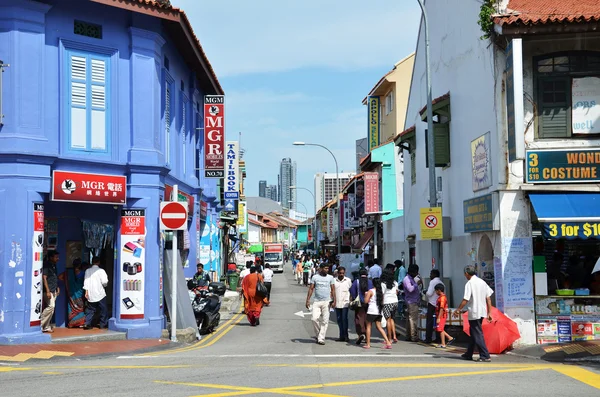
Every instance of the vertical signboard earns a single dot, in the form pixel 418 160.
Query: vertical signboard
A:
pixel 37 263
pixel 371 192
pixel 330 223
pixel 214 136
pixel 232 171
pixel 373 105
pixel 242 221
pixel 514 100
pixel 133 266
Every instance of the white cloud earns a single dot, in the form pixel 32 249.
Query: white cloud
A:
pixel 260 36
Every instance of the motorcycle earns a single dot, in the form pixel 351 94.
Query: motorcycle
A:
pixel 206 303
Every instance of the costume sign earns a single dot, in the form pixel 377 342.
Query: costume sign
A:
pixel 133 264
pixel 371 192
pixel 37 263
pixel 89 188
pixel 214 136
pixel 562 165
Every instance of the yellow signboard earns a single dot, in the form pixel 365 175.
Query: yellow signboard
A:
pixel 431 223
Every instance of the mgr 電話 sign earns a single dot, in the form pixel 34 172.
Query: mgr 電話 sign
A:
pixel 562 165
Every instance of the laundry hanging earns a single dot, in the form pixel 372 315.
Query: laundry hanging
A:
pixel 97 235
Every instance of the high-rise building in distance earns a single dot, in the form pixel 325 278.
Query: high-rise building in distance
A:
pixel 271 192
pixel 287 178
pixel 326 186
pixel 262 187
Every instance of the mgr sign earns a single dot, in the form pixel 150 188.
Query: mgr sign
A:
pixel 431 223
pixel 214 136
pixel 173 215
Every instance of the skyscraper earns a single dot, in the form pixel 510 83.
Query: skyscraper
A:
pixel 287 178
pixel 326 186
pixel 271 192
pixel 262 187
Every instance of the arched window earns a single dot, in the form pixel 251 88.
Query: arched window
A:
pixel 567 87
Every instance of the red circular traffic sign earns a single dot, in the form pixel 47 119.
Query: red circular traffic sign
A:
pixel 431 221
pixel 173 215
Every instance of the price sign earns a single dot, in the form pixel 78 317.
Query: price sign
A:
pixel 572 230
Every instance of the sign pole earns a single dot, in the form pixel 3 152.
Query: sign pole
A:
pixel 175 195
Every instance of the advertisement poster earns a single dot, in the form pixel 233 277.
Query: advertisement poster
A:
pixel 353 220
pixel 214 136
pixel 585 115
pixel 498 281
pixel 481 162
pixel 133 264
pixel 37 263
pixel 232 170
pixel 89 188
pixel 371 192
pixel 517 259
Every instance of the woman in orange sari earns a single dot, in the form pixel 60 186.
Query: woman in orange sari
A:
pixel 252 302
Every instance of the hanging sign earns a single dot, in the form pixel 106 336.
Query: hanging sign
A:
pixel 373 105
pixel 480 214
pixel 371 192
pixel 37 263
pixel 481 162
pixel 133 264
pixel 89 188
pixel 214 136
pixel 562 166
pixel 232 171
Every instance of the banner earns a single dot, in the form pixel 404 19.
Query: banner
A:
pixel 242 221
pixel 133 264
pixel 371 191
pixel 572 230
pixel 330 223
pixel 232 168
pixel 373 105
pixel 37 262
pixel 577 165
pixel 324 221
pixel 353 220
pixel 214 136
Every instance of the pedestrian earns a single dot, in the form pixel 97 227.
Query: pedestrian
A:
pixel 374 313
pixel 389 287
pixel 441 314
pixel 323 286
pixel 51 289
pixel 268 277
pixel 400 271
pixel 306 269
pixel 375 270
pixel 477 296
pixel 94 285
pixel 342 299
pixel 299 270
pixel 246 271
pixel 432 299
pixel 253 303
pixel 412 296
pixel 201 278
pixel 360 286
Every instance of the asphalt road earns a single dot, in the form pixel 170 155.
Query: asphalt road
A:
pixel 281 357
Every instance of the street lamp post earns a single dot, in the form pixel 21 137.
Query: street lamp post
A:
pixel 435 244
pixel 305 208
pixel 298 202
pixel 337 179
pixel 311 193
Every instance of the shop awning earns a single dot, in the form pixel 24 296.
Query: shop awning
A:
pixel 566 207
pixel 364 240
pixel 255 248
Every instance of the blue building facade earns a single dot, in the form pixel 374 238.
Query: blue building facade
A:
pixel 102 91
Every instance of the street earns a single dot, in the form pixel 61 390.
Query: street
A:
pixel 281 357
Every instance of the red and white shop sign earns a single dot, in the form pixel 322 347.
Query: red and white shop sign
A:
pixel 38 217
pixel 133 222
pixel 371 191
pixel 89 188
pixel 37 261
pixel 214 136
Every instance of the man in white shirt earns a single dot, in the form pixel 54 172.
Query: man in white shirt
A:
pixel 342 302
pixel 268 279
pixel 432 299
pixel 477 296
pixel 94 283
pixel 375 270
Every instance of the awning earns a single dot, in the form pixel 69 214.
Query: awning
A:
pixel 364 240
pixel 566 207
pixel 255 248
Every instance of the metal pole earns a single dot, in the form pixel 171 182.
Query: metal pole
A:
pixel 375 237
pixel 435 244
pixel 175 195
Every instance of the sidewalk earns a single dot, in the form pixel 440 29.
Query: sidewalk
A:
pixel 588 351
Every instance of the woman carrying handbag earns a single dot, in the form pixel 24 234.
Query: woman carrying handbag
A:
pixel 359 288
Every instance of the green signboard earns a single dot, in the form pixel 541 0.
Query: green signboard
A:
pixel 478 214
pixel 562 166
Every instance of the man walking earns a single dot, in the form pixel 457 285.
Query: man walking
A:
pixel 323 286
pixel 51 290
pixel 268 279
pixel 306 268
pixel 477 296
pixel 375 270
pixel 412 296
pixel 432 298
pixel 342 299
pixel 94 283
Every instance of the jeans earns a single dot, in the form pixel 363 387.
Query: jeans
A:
pixel 92 309
pixel 477 340
pixel 412 321
pixel 305 278
pixel 320 319
pixel 268 286
pixel 430 322
pixel 342 320
pixel 48 312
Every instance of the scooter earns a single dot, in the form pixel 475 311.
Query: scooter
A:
pixel 206 303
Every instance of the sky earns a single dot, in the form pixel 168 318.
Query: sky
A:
pixel 298 71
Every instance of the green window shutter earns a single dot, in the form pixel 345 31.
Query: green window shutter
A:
pixel 442 145
pixel 554 107
pixel 413 168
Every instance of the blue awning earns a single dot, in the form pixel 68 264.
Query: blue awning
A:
pixel 566 207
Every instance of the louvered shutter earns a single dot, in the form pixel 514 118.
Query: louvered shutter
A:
pixel 78 101
pixel 98 104
pixel 554 115
pixel 441 134
pixel 167 123
pixel 183 136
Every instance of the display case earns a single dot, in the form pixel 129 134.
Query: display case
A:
pixel 567 318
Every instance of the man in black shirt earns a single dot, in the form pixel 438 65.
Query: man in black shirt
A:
pixel 51 290
pixel 201 277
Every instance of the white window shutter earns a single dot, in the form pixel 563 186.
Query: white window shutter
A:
pixel 98 104
pixel 78 96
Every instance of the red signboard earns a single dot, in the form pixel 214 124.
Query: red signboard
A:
pixel 38 217
pixel 273 248
pixel 182 197
pixel 203 209
pixel 173 215
pixel 89 188
pixel 214 136
pixel 371 191
pixel 133 222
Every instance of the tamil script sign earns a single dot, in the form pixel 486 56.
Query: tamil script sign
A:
pixel 562 166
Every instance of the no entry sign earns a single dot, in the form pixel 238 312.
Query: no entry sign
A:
pixel 173 216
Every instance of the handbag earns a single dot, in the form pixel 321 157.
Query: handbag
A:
pixel 355 304
pixel 261 289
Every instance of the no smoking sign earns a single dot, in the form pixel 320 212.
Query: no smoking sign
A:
pixel 431 223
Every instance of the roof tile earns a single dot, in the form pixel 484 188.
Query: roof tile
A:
pixel 539 12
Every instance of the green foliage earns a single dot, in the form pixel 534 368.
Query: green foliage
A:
pixel 485 18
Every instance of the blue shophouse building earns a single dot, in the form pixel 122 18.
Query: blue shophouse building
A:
pixel 101 109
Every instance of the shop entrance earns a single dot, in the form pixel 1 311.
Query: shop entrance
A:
pixel 79 232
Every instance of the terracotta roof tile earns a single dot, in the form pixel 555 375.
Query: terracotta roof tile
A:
pixel 534 12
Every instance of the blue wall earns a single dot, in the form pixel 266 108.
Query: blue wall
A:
pixel 36 40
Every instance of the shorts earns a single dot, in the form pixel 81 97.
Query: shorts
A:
pixel 371 318
pixel 442 324
pixel 389 310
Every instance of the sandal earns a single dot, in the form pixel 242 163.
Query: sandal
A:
pixel 395 340
pixel 388 347
pixel 441 346
pixel 366 347
pixel 451 341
